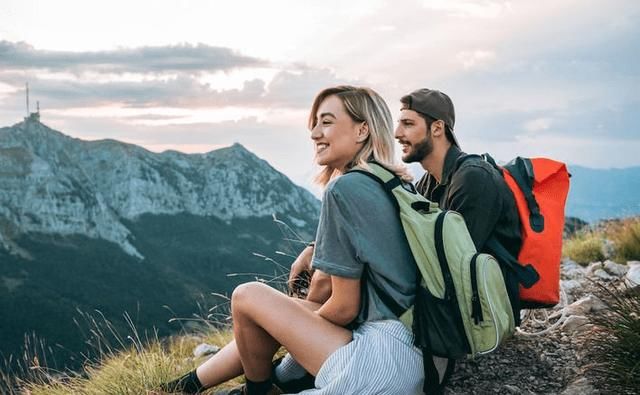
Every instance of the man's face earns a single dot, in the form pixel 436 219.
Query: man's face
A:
pixel 412 134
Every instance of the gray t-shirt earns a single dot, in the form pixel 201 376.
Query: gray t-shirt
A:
pixel 360 225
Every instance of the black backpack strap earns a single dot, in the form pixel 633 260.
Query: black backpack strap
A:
pixel 449 288
pixel 526 273
pixel 521 170
pixel 432 383
pixel 388 301
pixel 463 158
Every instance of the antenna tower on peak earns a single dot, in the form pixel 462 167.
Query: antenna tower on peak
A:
pixel 32 116
pixel 27 85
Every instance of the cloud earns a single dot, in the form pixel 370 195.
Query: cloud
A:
pixel 476 58
pixel 537 124
pixel 159 59
pixel 289 88
pixel 469 9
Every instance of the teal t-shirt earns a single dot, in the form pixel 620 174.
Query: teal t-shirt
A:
pixel 360 225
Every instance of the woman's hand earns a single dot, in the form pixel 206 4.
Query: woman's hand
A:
pixel 300 265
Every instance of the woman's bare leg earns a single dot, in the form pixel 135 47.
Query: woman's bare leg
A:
pixel 264 319
pixel 224 365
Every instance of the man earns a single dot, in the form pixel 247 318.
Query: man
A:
pixel 468 185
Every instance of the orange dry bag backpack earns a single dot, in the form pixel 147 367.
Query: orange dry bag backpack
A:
pixel 540 187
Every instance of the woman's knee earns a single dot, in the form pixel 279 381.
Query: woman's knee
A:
pixel 247 295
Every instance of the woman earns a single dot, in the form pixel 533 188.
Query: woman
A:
pixel 359 240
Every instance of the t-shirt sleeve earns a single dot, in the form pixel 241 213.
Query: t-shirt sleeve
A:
pixel 336 249
pixel 474 195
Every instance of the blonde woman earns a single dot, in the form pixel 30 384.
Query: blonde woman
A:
pixel 350 341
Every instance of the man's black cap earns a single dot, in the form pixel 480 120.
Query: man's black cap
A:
pixel 436 105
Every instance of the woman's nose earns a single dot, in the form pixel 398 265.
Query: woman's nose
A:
pixel 316 132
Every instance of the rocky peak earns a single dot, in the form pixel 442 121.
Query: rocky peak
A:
pixel 52 183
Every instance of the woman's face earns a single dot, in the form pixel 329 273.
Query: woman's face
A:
pixel 336 135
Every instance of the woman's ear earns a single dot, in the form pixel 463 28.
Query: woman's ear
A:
pixel 363 132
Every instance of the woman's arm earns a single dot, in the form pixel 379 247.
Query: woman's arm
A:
pixel 319 287
pixel 343 305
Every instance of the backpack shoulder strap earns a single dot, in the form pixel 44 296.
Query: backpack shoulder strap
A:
pixel 392 181
pixel 521 170
pixel 463 158
pixel 526 274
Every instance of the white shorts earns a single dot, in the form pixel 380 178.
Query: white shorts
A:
pixel 381 359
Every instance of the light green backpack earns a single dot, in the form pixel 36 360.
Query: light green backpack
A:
pixel 461 307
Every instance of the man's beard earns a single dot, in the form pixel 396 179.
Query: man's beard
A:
pixel 419 151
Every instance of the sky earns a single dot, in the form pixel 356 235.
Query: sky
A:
pixel 556 78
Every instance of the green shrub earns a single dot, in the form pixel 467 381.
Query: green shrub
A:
pixel 584 247
pixel 616 345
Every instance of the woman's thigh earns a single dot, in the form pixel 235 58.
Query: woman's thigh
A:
pixel 310 338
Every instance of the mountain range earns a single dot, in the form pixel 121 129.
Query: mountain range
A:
pixel 107 228
pixel 597 194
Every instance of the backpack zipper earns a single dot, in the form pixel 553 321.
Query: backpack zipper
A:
pixel 476 307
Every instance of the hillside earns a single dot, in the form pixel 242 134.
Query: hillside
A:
pixel 104 228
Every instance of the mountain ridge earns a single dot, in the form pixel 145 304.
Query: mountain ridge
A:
pixel 58 184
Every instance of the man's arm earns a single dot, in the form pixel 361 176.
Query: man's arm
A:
pixel 474 194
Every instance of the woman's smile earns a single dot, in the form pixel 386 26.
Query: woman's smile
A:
pixel 320 147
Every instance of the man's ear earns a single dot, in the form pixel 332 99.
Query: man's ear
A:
pixel 363 132
pixel 437 128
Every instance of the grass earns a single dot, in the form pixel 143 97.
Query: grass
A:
pixel 584 247
pixel 137 370
pixel 626 238
pixel 588 245
pixel 616 346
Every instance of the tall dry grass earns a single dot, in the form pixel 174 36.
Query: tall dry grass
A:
pixel 138 363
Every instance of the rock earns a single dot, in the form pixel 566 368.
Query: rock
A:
pixel 205 349
pixel 593 266
pixel 608 248
pixel 571 270
pixel 580 386
pixel 570 285
pixel 633 275
pixel 575 323
pixel 601 274
pixel 582 307
pixel 596 303
pixel 512 389
pixel 615 269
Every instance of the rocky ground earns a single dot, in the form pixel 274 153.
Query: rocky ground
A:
pixel 560 360
pixel 552 352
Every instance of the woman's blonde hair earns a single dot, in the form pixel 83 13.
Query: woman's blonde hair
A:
pixel 362 105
